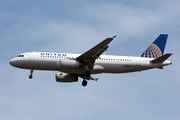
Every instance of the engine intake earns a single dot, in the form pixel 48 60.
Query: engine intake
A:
pixel 65 77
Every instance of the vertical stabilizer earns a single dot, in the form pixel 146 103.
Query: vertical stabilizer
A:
pixel 156 49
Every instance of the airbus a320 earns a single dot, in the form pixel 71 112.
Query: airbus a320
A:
pixel 73 66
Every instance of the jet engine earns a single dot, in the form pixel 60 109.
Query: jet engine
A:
pixel 69 63
pixel 65 77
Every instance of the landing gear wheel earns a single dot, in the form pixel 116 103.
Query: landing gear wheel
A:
pixel 30 76
pixel 31 72
pixel 88 74
pixel 84 83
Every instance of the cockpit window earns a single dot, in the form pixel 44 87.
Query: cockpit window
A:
pixel 21 56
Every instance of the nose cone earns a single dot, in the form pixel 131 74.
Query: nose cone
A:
pixel 12 62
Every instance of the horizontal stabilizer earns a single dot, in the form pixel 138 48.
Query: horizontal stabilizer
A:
pixel 161 58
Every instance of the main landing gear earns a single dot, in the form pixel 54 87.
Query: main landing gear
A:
pixel 30 76
pixel 84 82
pixel 87 76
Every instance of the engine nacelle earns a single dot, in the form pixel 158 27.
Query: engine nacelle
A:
pixel 69 63
pixel 65 77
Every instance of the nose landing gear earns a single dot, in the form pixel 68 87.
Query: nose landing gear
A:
pixel 30 76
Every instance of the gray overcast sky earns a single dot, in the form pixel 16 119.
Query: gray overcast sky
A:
pixel 74 27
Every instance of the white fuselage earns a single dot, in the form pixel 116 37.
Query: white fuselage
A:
pixel 104 64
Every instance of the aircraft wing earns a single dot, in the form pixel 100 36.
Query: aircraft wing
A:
pixel 91 55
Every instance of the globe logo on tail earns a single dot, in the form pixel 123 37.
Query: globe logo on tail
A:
pixel 152 51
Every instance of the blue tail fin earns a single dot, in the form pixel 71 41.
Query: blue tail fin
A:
pixel 156 49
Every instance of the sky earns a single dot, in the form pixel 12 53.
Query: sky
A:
pixel 73 26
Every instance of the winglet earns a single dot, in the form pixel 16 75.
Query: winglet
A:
pixel 114 36
pixel 161 58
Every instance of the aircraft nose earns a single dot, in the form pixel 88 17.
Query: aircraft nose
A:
pixel 12 62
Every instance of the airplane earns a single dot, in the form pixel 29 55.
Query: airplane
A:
pixel 73 66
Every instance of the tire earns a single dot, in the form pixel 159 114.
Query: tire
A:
pixel 30 76
pixel 84 83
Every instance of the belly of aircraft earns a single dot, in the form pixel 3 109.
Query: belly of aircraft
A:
pixel 120 68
